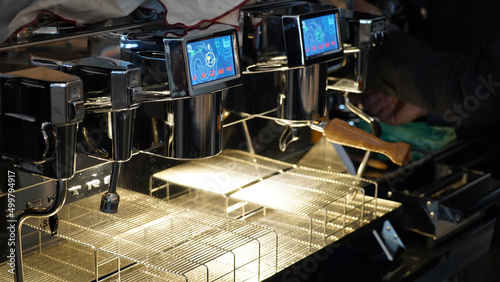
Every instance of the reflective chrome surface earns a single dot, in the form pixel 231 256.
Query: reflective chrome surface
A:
pixel 280 81
pixel 304 97
pixel 153 67
pixel 360 33
pixel 291 94
pixel 194 127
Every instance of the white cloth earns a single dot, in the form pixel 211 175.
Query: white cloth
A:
pixel 16 15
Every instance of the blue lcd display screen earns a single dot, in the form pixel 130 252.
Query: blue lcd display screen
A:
pixel 211 59
pixel 320 35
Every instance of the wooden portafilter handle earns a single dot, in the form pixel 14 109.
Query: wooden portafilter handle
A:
pixel 340 132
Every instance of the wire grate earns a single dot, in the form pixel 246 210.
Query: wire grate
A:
pixel 281 213
pixel 171 243
pixel 223 174
pixel 307 207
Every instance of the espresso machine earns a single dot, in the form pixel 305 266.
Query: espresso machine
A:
pixel 163 115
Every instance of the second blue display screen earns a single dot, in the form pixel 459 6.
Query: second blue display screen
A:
pixel 320 35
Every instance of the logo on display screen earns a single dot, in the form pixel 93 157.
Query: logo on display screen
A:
pixel 211 59
pixel 320 35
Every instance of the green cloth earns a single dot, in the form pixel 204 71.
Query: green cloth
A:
pixel 423 139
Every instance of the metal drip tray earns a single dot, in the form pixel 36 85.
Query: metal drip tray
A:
pixel 148 239
pixel 308 208
pixel 241 218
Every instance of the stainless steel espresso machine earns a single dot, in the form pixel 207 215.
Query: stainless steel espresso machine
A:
pixel 201 133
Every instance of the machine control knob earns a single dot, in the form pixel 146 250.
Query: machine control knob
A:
pixel 76 111
pixel 93 184
pixel 75 190
pixel 134 95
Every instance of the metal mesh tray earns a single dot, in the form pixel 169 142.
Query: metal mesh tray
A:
pixel 308 208
pixel 281 213
pixel 149 239
pixel 223 174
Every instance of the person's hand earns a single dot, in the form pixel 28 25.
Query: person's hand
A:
pixel 387 109
pixel 366 7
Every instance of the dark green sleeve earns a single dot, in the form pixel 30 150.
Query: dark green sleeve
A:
pixel 462 89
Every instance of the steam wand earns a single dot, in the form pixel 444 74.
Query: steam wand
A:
pixel 121 132
pixel 111 199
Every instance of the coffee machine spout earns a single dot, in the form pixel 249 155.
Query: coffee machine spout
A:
pixel 289 135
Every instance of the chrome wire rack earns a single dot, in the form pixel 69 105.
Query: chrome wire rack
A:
pixel 307 207
pixel 242 217
pixel 148 240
